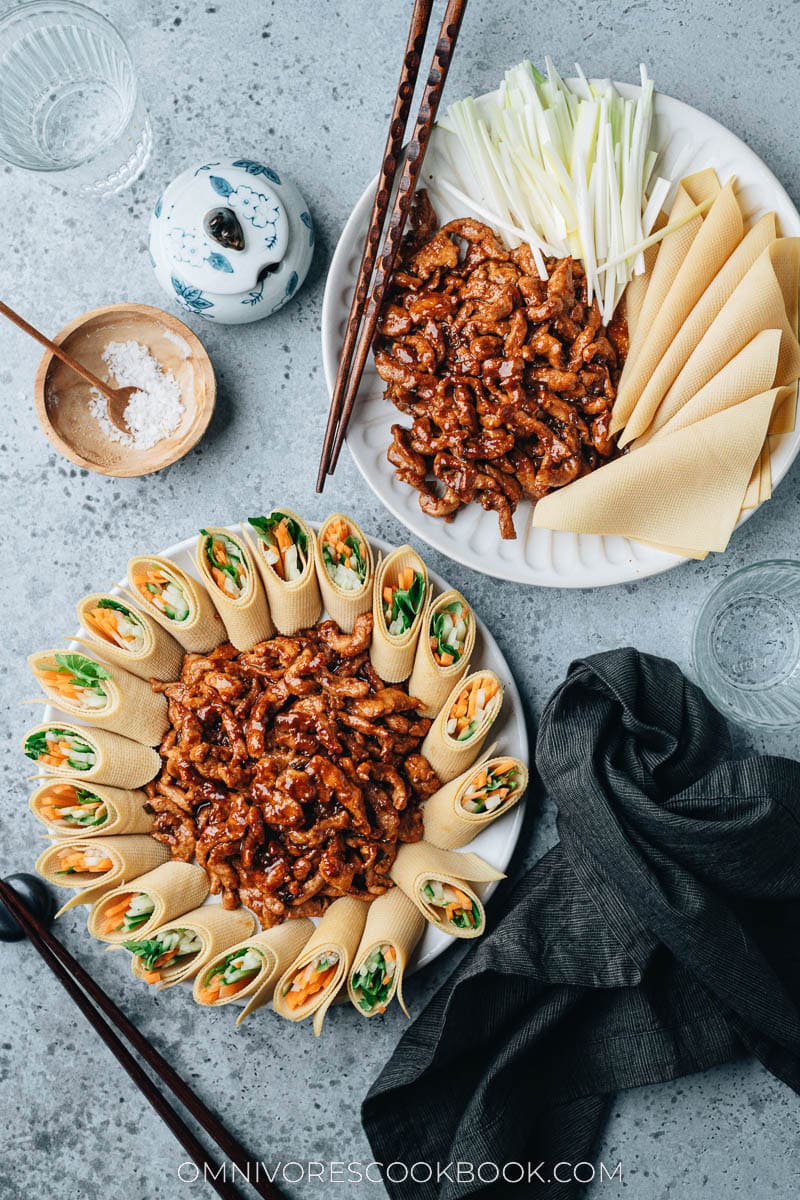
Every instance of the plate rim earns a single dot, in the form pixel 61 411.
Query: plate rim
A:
pixel 513 819
pixel 614 573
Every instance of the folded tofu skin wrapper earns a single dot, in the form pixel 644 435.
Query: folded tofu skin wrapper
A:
pixel 154 653
pixel 130 706
pixel 392 921
pixel 246 616
pixel 130 855
pixel 671 253
pixel 338 932
pixel 718 235
pixel 215 927
pixel 418 863
pixel 709 383
pixel 174 888
pixel 197 625
pixel 276 948
pixel 698 509
pixel 700 319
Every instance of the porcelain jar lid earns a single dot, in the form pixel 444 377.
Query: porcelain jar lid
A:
pixel 231 233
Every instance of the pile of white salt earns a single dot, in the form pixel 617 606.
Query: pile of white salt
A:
pixel 154 411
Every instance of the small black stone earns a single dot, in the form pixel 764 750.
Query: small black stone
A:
pixel 36 896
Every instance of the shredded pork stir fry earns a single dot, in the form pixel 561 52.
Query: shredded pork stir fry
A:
pixel 291 772
pixel 510 380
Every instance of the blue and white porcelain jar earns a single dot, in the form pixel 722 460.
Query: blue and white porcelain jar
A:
pixel 231 240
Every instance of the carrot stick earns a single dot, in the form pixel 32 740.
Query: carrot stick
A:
pixel 230 989
pixel 117 908
pixel 283 537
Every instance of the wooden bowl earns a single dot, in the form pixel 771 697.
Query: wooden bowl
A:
pixel 62 397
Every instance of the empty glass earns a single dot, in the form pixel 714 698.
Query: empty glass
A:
pixel 69 99
pixel 746 645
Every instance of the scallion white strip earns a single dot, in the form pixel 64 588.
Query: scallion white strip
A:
pixel 567 169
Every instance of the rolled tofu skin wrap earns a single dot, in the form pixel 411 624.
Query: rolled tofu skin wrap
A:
pixel 127 913
pixel 307 983
pixel 394 926
pixel 402 600
pixel 494 788
pixel 109 697
pixel 92 754
pixel 83 864
pixel 121 634
pixel 182 946
pixel 232 974
pixel 251 969
pixel 79 683
pixel 72 808
pixel 459 731
pixel 399 602
pixel 345 570
pixel 177 602
pixel 94 867
pixel 163 589
pixel 458 812
pixel 226 565
pixel 438 882
pixel 310 983
pixel 443 651
pixel 118 624
pixel 448 629
pixel 153 899
pixel 284 548
pixel 284 545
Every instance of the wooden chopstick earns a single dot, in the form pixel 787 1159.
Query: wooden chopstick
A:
pixel 343 398
pixel 80 985
pixel 415 42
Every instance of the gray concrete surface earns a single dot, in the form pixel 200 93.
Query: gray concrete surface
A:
pixel 307 86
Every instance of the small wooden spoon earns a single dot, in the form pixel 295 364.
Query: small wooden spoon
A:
pixel 117 398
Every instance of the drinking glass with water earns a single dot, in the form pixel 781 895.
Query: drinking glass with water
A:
pixel 69 98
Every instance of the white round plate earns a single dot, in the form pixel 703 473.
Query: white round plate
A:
pixel 687 139
pixel 496 843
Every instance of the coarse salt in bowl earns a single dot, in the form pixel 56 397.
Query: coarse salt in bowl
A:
pixel 129 345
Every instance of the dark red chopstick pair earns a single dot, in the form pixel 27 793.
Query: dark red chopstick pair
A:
pixel 365 310
pixel 83 989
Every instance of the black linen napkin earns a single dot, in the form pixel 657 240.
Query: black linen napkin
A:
pixel 658 938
